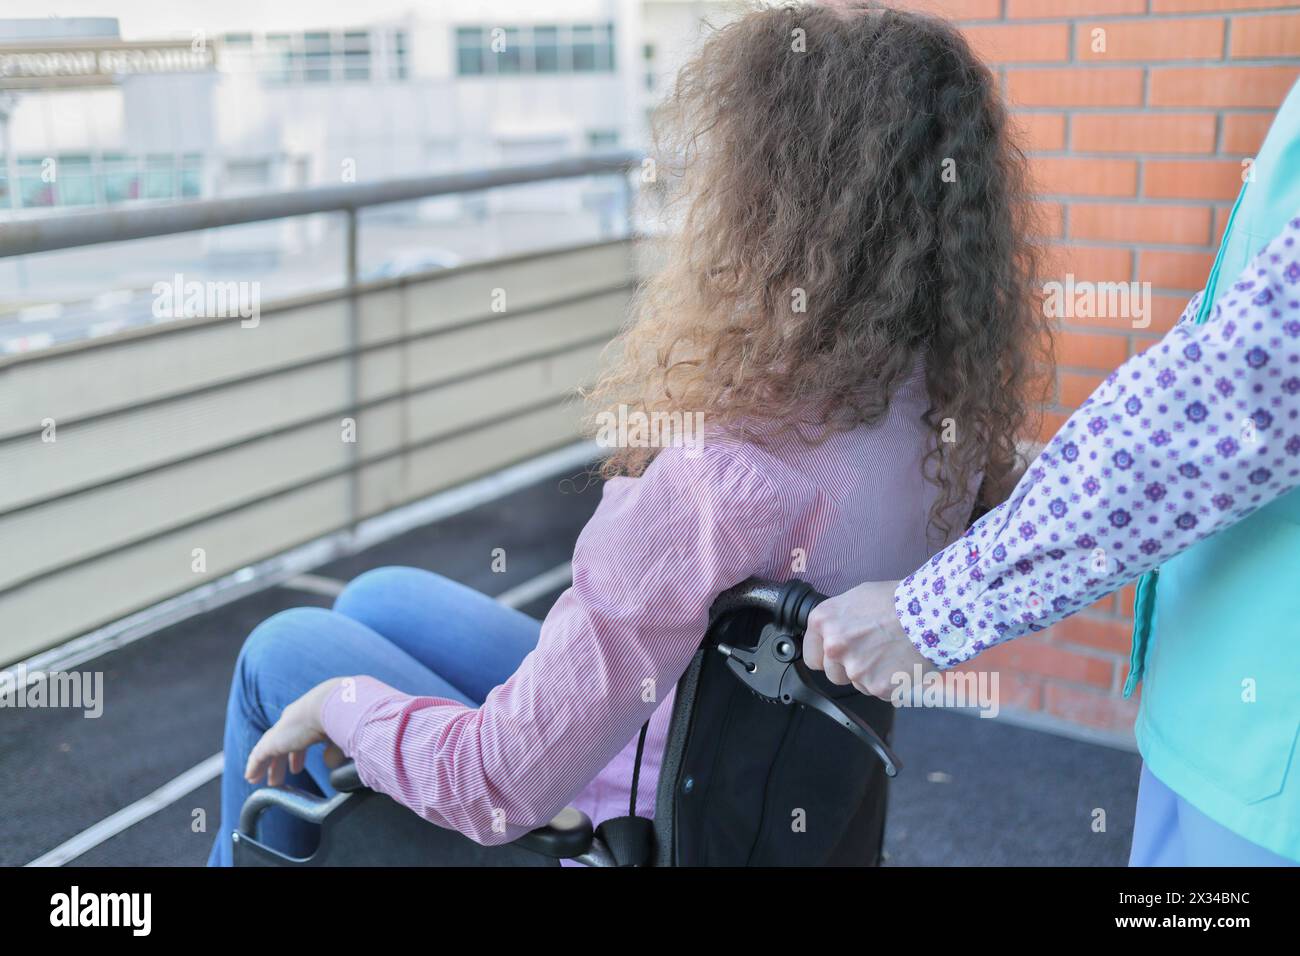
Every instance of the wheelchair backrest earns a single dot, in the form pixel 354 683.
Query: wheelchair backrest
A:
pixel 745 782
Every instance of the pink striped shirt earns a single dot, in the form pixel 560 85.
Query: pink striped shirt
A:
pixel 562 729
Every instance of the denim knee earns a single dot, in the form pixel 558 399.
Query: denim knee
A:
pixel 373 589
pixel 277 644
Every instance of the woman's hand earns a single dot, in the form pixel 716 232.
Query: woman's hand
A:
pixel 298 728
pixel 856 639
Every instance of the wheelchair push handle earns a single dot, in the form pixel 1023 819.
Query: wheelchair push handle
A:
pixel 788 602
pixel 774 670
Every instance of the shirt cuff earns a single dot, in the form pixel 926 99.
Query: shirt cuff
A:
pixel 921 637
pixel 346 707
pixel 937 627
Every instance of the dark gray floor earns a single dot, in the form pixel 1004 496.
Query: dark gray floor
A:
pixel 982 792
pixel 165 695
pixel 975 792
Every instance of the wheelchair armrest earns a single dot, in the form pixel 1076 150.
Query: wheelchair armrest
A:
pixel 344 778
pixel 569 835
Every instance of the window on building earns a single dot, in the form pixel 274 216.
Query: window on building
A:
pixel 75 182
pixel 398 63
pixel 98 179
pixel 317 57
pixel 508 48
pixel 34 186
pixel 356 56
pixel 121 176
pixel 277 60
pixel 584 49
pixel 159 178
pixel 605 46
pixel 546 49
pixel 191 176
pixel 542 49
pixel 470 49
pixel 648 54
pixel 236 53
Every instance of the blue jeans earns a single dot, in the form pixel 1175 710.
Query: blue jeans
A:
pixel 411 629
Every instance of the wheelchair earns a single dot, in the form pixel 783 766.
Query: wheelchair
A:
pixel 749 776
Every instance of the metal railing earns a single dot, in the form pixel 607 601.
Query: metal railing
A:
pixel 569 301
pixel 49 233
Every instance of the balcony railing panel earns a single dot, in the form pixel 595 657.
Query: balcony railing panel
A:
pixel 200 437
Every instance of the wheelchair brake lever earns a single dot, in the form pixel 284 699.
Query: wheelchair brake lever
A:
pixel 774 670
pixel 799 687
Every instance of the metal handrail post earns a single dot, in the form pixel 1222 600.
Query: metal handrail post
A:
pixel 354 370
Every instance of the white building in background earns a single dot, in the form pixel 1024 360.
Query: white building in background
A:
pixel 220 102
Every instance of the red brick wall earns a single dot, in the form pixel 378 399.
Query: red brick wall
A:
pixel 1137 156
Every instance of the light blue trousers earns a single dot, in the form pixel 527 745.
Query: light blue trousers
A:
pixel 411 629
pixel 1169 831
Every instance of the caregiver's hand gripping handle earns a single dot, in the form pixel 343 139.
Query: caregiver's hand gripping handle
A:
pixel 774 669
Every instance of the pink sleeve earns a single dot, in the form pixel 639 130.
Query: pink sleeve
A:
pixel 645 570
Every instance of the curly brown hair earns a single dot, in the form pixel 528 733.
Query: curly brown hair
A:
pixel 856 160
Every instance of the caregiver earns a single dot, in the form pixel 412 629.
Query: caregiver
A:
pixel 1186 457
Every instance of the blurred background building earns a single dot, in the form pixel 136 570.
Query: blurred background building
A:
pixel 157 105
pixel 151 106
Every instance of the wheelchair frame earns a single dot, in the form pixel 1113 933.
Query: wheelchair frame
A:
pixel 360 827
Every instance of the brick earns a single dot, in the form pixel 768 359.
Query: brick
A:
pixel 1103 635
pixel 1091 263
pixel 1221 216
pixel 1221 85
pixel 1076 386
pixel 1174 270
pixel 1039 131
pixel 1020 43
pixel 1075 87
pixel 1103 606
pixel 1089 350
pixel 1215 6
pixel 1126 596
pixel 1014 690
pixel 1147 40
pixel 1072 8
pixel 1109 712
pixel 1192 179
pixel 1143 133
pixel 1277 35
pixel 1165 310
pixel 1180 225
pixel 1244 132
pixel 1074 176
pixel 1034 656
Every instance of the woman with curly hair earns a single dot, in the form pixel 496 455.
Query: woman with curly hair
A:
pixel 845 305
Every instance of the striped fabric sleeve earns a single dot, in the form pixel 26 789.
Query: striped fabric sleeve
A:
pixel 645 571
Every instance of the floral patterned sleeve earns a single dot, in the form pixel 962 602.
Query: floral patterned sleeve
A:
pixel 1179 442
